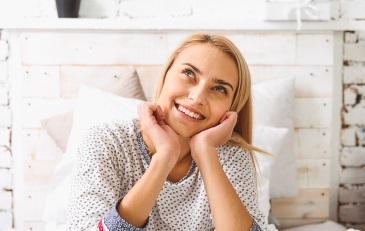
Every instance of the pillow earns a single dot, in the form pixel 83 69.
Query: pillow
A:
pixel 93 106
pixel 123 81
pixel 273 105
pixel 58 128
pixel 269 139
pixel 327 225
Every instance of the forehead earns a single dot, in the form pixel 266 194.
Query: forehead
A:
pixel 209 59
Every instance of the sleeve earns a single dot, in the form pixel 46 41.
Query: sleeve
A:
pixel 239 169
pixel 96 183
pixel 112 221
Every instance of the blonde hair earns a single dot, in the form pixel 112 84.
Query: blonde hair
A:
pixel 242 133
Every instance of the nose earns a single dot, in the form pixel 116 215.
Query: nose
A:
pixel 198 94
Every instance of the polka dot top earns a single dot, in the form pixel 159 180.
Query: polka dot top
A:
pixel 112 157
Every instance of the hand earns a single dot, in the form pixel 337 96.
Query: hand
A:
pixel 214 136
pixel 160 136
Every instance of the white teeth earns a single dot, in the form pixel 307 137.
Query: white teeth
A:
pixel 189 113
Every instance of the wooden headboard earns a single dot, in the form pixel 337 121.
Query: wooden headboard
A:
pixel 307 57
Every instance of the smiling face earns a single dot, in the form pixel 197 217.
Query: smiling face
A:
pixel 199 88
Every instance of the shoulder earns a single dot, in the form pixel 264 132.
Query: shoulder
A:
pixel 109 135
pixel 115 129
pixel 232 153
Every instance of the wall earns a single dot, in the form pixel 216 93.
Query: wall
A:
pixel 352 181
pixel 45 74
pixel 352 158
pixel 6 194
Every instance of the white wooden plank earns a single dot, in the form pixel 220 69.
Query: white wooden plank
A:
pixel 310 81
pixel 261 73
pixel 314 173
pixel 309 204
pixel 41 81
pixel 174 39
pixel 93 48
pixel 38 145
pixel 148 76
pixel 312 112
pixel 266 48
pixel 313 87
pixel 34 226
pixel 37 173
pixel 35 110
pixel 119 80
pixel 315 49
pixel 34 203
pixel 313 143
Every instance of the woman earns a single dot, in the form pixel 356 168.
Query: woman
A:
pixel 186 164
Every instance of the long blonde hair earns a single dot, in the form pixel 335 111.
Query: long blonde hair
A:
pixel 242 103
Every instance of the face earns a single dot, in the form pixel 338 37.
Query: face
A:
pixel 198 89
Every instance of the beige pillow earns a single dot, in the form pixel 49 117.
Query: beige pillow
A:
pixel 121 81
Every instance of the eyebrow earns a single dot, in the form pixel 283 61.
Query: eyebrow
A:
pixel 222 82
pixel 215 80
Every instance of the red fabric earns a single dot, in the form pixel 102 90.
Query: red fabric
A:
pixel 100 225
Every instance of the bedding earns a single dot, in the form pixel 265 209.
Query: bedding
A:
pixel 269 139
pixel 273 105
pixel 93 106
pixel 122 81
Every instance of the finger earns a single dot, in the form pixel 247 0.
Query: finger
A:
pixel 159 115
pixel 224 117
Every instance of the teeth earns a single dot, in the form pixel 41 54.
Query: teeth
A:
pixel 189 113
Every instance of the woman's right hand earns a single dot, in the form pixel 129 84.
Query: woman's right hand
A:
pixel 165 142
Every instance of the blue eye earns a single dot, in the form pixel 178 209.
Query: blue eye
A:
pixel 221 89
pixel 189 73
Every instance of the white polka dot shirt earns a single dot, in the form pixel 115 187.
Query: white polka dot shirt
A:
pixel 112 158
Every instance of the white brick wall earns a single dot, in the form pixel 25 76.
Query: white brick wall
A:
pixel 6 176
pixel 352 157
pixel 352 180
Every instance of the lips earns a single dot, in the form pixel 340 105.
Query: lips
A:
pixel 189 113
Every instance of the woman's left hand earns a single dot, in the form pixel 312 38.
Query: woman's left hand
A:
pixel 214 136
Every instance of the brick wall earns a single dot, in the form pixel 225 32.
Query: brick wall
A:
pixel 352 157
pixel 6 194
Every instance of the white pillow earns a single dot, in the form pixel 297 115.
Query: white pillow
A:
pixel 273 105
pixel 92 107
pixel 269 139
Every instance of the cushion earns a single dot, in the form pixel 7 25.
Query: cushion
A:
pixel 58 128
pixel 271 140
pixel 124 82
pixel 327 225
pixel 92 107
pixel 273 105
